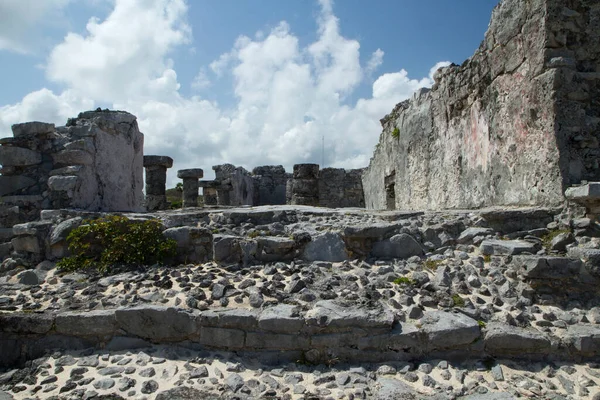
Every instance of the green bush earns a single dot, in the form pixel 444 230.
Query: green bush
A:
pixel 396 133
pixel 116 240
pixel 404 280
pixel 458 301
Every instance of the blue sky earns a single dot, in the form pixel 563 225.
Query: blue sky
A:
pixel 247 82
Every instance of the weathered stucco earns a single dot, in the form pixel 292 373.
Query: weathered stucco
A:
pixel 514 125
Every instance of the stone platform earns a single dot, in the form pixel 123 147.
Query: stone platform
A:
pixel 316 293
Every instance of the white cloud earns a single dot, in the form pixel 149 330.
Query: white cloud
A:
pixel 375 61
pixel 21 20
pixel 126 54
pixel 43 105
pixel 287 97
pixel 200 81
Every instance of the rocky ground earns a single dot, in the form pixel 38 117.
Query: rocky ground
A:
pixel 177 373
pixel 531 270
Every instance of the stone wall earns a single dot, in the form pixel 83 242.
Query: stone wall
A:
pixel 515 124
pixel 329 330
pixel 235 186
pixel 270 181
pixel 270 184
pixel 94 163
pixel 341 188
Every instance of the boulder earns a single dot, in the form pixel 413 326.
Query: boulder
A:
pixel 507 247
pixel 325 247
pixel 398 246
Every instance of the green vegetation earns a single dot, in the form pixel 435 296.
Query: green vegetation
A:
pixel 458 301
pixel 549 237
pixel 115 240
pixel 404 280
pixel 433 264
pixel 481 324
pixel 174 196
pixel 396 133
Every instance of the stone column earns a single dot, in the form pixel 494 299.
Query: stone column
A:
pixel 305 185
pixel 209 192
pixel 190 185
pixel 156 180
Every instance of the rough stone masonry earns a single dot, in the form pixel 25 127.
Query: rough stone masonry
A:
pixel 515 124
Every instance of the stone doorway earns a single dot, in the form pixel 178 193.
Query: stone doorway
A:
pixel 390 191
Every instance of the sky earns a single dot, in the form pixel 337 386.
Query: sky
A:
pixel 246 82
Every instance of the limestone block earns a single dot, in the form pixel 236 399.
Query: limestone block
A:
pixel 12 184
pixel 28 244
pixel 398 246
pixel 26 323
pixel 90 323
pixel 70 170
pixel 507 247
pixel 584 338
pixel 73 157
pixel 325 247
pixel 162 161
pixel 156 323
pixel 502 339
pixel 446 330
pixel 549 268
pixel 19 156
pixel 282 318
pixel 194 245
pixel 222 338
pixel 330 316
pixel 306 171
pixel 62 183
pixel 32 129
pixel 226 249
pixel 275 248
pixel 272 341
pixel 194 173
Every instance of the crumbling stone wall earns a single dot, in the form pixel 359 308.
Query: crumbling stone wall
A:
pixel 515 124
pixel 92 163
pixel 270 181
pixel 235 186
pixel 340 188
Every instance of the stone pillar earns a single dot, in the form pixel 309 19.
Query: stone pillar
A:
pixel 223 193
pixel 190 185
pixel 209 192
pixel 305 185
pixel 156 180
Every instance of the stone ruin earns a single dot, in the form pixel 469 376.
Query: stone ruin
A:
pixel 271 185
pixel 432 304
pixel 514 125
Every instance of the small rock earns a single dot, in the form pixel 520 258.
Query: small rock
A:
pixel 234 382
pixel 104 384
pixel 149 387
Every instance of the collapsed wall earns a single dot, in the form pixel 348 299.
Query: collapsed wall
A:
pixel 94 163
pixel 516 124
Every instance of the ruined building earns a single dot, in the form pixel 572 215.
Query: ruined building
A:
pixel 515 124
